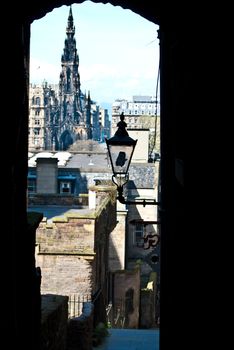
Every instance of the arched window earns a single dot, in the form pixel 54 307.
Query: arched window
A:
pixel 38 101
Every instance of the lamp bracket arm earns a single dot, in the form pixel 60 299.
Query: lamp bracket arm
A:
pixel 143 202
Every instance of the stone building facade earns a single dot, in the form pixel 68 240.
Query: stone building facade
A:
pixel 139 105
pixel 142 115
pixel 43 116
pixel 66 239
pixel 72 247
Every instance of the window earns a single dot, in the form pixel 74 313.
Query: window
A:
pixel 65 187
pixel 38 101
pixel 139 233
pixel 36 131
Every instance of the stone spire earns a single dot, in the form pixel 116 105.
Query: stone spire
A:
pixel 74 121
pixel 70 26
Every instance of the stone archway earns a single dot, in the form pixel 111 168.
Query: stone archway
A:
pixel 177 98
pixel 38 10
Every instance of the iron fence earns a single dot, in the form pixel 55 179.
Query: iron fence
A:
pixel 75 304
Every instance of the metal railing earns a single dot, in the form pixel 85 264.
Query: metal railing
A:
pixel 75 304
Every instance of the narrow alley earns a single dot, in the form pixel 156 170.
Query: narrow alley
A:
pixel 131 339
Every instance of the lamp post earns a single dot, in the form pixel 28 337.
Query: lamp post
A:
pixel 120 149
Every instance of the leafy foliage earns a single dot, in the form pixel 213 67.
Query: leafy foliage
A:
pixel 99 333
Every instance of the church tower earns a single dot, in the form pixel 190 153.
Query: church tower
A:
pixel 74 117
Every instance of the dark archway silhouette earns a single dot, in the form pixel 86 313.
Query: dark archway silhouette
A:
pixel 185 64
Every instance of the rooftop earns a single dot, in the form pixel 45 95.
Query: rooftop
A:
pixel 87 160
pixel 55 211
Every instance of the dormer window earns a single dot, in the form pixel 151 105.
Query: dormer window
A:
pixel 65 187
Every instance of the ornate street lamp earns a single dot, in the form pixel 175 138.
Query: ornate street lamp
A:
pixel 120 149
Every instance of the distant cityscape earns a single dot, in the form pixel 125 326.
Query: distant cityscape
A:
pixel 89 248
pixel 61 114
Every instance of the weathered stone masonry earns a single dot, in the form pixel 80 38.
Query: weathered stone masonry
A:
pixel 72 250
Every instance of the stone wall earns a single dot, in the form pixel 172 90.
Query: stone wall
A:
pixel 141 151
pixel 57 199
pixel 143 175
pixel 137 213
pixel 72 250
pixel 70 234
pixel 80 330
pixel 65 274
pixel 148 303
pixel 148 176
pixel 65 255
pixel 117 243
pixel 54 313
pixel 104 225
pixel 127 298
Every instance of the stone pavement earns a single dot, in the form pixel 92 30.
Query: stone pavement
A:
pixel 131 339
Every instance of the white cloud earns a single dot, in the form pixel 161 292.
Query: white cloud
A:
pixel 106 82
pixel 116 61
pixel 99 71
pixel 40 70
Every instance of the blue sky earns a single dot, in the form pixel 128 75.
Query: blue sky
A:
pixel 118 50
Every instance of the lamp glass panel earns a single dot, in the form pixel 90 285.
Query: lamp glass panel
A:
pixel 121 157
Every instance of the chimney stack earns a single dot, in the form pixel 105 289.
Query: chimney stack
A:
pixel 47 175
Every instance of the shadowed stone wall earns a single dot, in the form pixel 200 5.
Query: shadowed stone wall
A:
pixel 80 330
pixel 54 313
pixel 127 298
pixel 148 303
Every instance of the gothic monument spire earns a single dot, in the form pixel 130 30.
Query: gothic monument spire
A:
pixel 73 121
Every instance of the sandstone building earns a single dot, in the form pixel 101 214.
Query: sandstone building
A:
pixel 59 186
